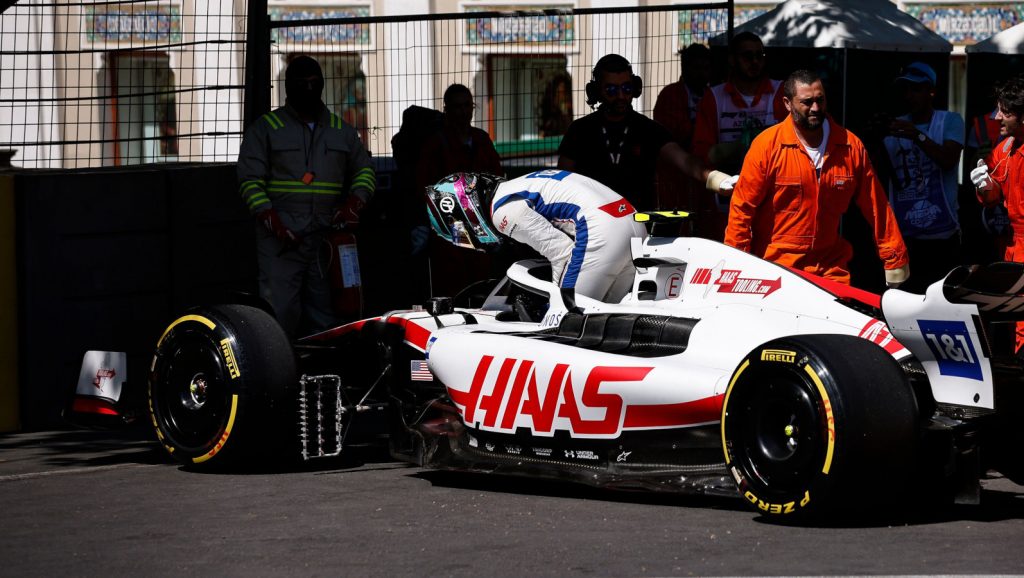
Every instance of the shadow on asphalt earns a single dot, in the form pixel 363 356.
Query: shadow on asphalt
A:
pixel 355 458
pixel 563 489
pixel 135 445
pixel 996 505
pixel 84 448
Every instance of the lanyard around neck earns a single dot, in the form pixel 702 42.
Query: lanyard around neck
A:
pixel 614 154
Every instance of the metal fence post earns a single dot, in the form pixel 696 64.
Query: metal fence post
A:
pixel 257 61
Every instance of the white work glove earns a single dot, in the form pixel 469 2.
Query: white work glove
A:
pixel 717 181
pixel 980 177
pixel 896 277
pixel 729 183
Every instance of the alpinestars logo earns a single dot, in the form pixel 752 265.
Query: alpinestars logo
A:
pixel 619 208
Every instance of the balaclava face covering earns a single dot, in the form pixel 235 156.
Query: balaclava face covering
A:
pixel 303 94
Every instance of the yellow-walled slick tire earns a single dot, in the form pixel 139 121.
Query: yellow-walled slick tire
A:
pixel 819 424
pixel 222 388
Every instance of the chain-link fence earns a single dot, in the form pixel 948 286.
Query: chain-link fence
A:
pixel 118 83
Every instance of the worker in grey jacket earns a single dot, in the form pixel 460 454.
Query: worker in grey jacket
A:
pixel 301 171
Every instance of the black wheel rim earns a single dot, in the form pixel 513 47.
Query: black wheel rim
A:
pixel 192 401
pixel 779 433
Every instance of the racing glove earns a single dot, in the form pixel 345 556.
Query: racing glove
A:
pixel 272 221
pixel 896 277
pixel 719 181
pixel 348 214
pixel 981 178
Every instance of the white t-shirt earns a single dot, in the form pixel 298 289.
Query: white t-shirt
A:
pixel 817 153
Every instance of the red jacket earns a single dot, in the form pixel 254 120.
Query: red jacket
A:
pixel 782 212
pixel 672 110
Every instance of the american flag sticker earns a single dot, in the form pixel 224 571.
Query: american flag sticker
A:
pixel 418 371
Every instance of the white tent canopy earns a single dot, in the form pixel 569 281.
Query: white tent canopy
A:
pixel 864 25
pixel 1009 41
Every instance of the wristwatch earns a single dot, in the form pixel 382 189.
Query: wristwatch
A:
pixel 921 137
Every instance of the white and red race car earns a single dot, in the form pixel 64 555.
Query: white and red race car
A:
pixel 719 373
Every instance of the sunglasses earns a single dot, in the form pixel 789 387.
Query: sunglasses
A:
pixel 613 89
pixel 751 55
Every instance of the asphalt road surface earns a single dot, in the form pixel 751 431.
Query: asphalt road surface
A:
pixel 92 503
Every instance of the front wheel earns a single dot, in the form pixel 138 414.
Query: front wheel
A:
pixel 819 424
pixel 222 387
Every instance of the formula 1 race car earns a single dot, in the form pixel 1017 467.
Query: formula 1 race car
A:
pixel 719 373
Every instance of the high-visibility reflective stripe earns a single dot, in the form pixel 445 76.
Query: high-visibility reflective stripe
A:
pixel 363 184
pixel 248 186
pixel 365 178
pixel 335 121
pixel 300 184
pixel 257 200
pixel 307 191
pixel 273 120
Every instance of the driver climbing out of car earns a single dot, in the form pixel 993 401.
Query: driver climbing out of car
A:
pixel 581 226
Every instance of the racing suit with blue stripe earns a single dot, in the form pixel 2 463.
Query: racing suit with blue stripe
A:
pixel 304 172
pixel 581 226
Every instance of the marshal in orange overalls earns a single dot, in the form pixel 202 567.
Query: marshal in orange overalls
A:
pixel 783 212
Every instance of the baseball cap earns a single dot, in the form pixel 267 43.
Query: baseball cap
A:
pixel 918 73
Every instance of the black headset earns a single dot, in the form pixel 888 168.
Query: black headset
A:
pixel 610 63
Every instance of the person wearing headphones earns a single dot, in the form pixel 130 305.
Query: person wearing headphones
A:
pixel 621 148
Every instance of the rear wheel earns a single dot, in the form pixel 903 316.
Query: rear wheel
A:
pixel 222 388
pixel 819 424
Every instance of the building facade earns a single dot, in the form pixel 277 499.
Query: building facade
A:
pixel 108 84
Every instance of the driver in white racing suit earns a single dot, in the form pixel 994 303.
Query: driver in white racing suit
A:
pixel 581 226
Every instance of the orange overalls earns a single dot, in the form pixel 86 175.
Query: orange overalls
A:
pixel 1007 169
pixel 783 212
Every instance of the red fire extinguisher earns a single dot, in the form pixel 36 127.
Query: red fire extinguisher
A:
pixel 346 282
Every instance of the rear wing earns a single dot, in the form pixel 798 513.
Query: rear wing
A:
pixel 997 289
